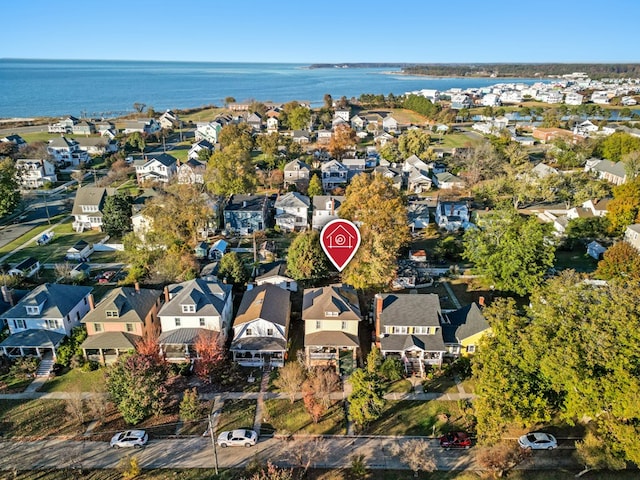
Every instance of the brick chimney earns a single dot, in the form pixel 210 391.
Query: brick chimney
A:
pixel 379 304
pixel 333 206
pixel 481 301
pixel 137 287
pixel 92 305
pixel 166 294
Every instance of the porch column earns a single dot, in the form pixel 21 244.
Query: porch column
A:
pixel 103 360
pixel 21 352
pixel 421 357
pixel 38 352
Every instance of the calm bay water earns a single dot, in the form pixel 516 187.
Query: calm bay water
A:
pixel 31 88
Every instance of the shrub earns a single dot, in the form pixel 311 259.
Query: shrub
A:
pixel 24 367
pixel 190 407
pixel 90 366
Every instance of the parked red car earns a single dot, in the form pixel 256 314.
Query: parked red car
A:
pixel 455 440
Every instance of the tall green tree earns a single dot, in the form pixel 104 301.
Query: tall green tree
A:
pixel 315 186
pixel 9 188
pixel 136 140
pixel 616 146
pixel 621 263
pixel 137 385
pixel 116 216
pixel 230 171
pixel 238 135
pixel 624 209
pixel 511 252
pixel 376 206
pixel 414 142
pixel 305 259
pixel 231 267
pixel 366 399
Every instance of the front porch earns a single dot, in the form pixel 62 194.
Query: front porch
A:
pixel 32 343
pixel 105 348
pixel 343 359
pixel 259 359
pixel 416 361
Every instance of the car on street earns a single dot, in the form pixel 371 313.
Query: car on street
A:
pixel 129 438
pixel 455 440
pixel 538 441
pixel 238 438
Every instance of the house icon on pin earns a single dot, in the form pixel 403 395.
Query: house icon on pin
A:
pixel 340 237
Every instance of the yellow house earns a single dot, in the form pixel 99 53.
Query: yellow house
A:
pixel 462 330
pixel 331 320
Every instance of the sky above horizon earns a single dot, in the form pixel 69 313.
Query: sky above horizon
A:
pixel 332 31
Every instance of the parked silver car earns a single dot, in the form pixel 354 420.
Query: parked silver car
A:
pixel 129 438
pixel 538 441
pixel 238 438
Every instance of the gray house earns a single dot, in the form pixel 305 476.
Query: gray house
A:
pixel 246 213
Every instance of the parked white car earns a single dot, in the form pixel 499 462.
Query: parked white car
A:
pixel 238 438
pixel 129 438
pixel 538 441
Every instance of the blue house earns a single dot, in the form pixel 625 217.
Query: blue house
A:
pixel 245 214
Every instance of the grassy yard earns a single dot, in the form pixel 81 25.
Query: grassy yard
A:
pixel 407 417
pixel 443 384
pixel 76 380
pixel 576 260
pixel 237 414
pixel 401 386
pixel 54 252
pixel 452 140
pixel 180 151
pixel 13 384
pixel 36 419
pixel 204 115
pixel 284 418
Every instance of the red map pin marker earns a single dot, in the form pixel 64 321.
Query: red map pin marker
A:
pixel 340 240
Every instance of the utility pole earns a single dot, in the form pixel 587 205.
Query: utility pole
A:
pixel 46 207
pixel 213 443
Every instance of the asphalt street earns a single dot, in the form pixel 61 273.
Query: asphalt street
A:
pixel 197 452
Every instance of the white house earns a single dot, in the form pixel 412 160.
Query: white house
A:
pixel 261 327
pixel 199 146
pixel 145 125
pixel 191 307
pixel 88 206
pixel 292 211
pixel 169 119
pixel 208 131
pixel 334 174
pixel 452 215
pixel 573 98
pixel 191 172
pixel 277 275
pixel 447 181
pixel 67 151
pixel 325 209
pixel 34 173
pixel 160 168
pixel 296 173
pixel 41 319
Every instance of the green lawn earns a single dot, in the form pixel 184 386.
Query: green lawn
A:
pixel 76 380
pixel 408 417
pixel 29 236
pixel 204 115
pixel 36 418
pixel 285 418
pixel 13 384
pixel 237 414
pixel 452 140
pixel 576 260
pixel 441 384
pixel 180 151
pixel 55 251
pixel 401 386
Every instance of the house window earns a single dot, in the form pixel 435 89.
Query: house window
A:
pixel 330 314
pixel 249 332
pixel 129 327
pixel 188 308
pixel 33 310
pixel 19 324
pixel 318 324
pixel 51 324
pixel 270 332
pixel 111 313
pixel 177 320
pixel 202 322
pixel 400 330
pixel 343 326
pixel 97 327
pixel 471 348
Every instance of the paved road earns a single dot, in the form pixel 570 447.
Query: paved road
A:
pixel 197 452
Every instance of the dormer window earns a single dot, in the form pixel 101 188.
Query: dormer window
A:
pixel 33 310
pixel 269 332
pixel 331 314
pixel 112 314
pixel 188 308
pixel 249 332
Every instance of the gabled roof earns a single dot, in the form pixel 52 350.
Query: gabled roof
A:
pixel 247 203
pixel 331 338
pixel 464 323
pixel 267 302
pixel 292 200
pixel 132 305
pixel 295 165
pixel 320 201
pixel 164 158
pixel 339 298
pixel 404 309
pixel 61 142
pixel 278 269
pixel 427 343
pixel 209 297
pixel 58 300
pixel 90 196
pixel 332 164
pixel 26 264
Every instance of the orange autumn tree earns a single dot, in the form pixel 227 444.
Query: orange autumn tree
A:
pixel 210 354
